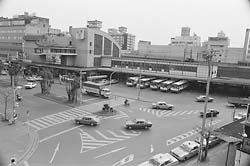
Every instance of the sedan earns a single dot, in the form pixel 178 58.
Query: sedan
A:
pixel 210 113
pixel 138 124
pixel 162 105
pixel 30 85
pixel 161 159
pixel 88 120
pixel 203 99
pixel 186 150
pixel 213 140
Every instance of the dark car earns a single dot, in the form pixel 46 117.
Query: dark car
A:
pixel 210 113
pixel 88 120
pixel 213 140
pixel 138 124
pixel 203 99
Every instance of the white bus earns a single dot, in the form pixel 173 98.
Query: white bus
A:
pixel 132 81
pixel 165 86
pixel 144 82
pixel 179 86
pixel 155 84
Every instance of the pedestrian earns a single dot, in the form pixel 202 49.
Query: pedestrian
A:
pixel 60 79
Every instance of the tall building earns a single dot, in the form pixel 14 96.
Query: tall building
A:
pixel 12 31
pixel 246 52
pixel 185 39
pixel 124 39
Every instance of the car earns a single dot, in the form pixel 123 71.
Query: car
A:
pixel 203 99
pixel 210 113
pixel 161 159
pixel 88 120
pixel 30 85
pixel 138 124
pixel 114 81
pixel 213 140
pixel 4 72
pixel 186 150
pixel 162 105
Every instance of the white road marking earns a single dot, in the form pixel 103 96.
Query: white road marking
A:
pixel 54 154
pixel 130 134
pixel 125 160
pixel 62 132
pixel 119 136
pixel 26 163
pixel 183 112
pixel 107 138
pixel 151 148
pixel 32 125
pixel 112 151
pixel 89 99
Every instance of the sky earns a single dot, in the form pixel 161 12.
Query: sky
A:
pixel 151 20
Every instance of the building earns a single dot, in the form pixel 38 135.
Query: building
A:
pixel 185 39
pixel 124 39
pixel 12 31
pixel 220 44
pixel 80 47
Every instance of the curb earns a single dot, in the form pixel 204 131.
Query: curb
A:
pixel 32 147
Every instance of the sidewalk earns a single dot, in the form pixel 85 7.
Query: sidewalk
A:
pixel 16 141
pixel 216 157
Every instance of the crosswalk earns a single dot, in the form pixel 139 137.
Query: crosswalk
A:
pixel 168 113
pixel 90 142
pixel 61 117
pixel 189 133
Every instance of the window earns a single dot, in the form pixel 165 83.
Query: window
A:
pixel 90 51
pixel 90 43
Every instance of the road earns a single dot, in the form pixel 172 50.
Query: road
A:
pixel 64 143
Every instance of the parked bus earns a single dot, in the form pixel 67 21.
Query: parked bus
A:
pixel 132 81
pixel 165 86
pixel 144 82
pixel 179 86
pixel 155 84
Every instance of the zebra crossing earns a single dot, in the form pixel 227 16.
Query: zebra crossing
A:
pixel 89 142
pixel 188 134
pixel 167 113
pixel 61 117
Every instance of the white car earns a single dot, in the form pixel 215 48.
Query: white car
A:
pixel 186 150
pixel 30 85
pixel 162 105
pixel 161 160
pixel 203 99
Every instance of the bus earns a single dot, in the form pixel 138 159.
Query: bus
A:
pixel 165 86
pixel 179 86
pixel 144 82
pixel 155 84
pixel 98 79
pixel 132 81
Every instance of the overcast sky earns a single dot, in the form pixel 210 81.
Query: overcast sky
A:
pixel 153 20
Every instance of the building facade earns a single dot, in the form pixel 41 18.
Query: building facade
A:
pixel 80 47
pixel 12 31
pixel 124 39
pixel 185 39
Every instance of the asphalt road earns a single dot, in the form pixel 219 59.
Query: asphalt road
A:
pixel 64 143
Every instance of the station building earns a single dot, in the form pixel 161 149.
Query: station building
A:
pixel 80 47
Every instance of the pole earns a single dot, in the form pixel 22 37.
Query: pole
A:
pixel 110 78
pixel 80 87
pixel 201 156
pixel 14 93
pixel 139 87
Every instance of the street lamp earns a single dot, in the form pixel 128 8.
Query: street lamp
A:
pixel 208 56
pixel 110 78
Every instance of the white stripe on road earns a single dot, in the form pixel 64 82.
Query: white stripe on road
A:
pixel 34 126
pixel 129 134
pixel 183 112
pixel 112 151
pixel 57 134
pixel 119 136
pixel 105 137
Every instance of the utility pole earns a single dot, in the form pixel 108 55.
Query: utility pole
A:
pixel 80 87
pixel 14 92
pixel 208 56
pixel 110 78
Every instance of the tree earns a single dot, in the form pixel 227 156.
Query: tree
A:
pixel 7 94
pixel 14 70
pixel 47 81
pixel 71 89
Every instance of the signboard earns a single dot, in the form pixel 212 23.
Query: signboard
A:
pixel 246 145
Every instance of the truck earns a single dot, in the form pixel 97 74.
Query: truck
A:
pixel 239 101
pixel 98 89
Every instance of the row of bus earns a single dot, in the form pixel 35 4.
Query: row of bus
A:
pixel 163 85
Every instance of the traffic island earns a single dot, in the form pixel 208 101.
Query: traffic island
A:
pixel 106 111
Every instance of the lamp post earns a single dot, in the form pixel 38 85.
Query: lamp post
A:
pixel 208 56
pixel 110 78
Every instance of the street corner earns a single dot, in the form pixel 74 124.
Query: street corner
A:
pixel 15 141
